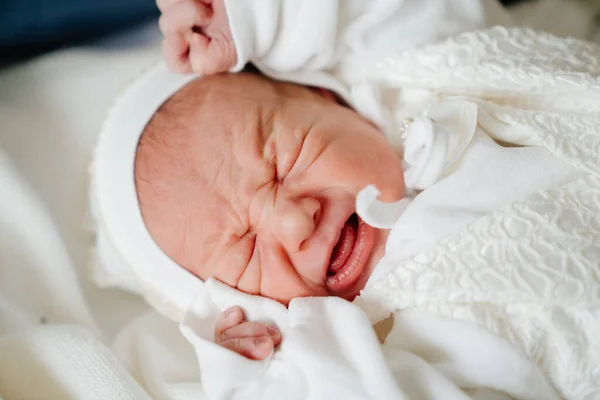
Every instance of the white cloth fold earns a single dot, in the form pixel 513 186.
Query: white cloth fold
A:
pixel 376 213
pixel 488 177
pixel 436 140
pixel 432 145
pixel 330 351
pixel 425 152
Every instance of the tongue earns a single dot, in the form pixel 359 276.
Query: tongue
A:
pixel 344 246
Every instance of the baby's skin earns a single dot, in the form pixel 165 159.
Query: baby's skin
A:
pixel 197 37
pixel 253 182
pixel 254 340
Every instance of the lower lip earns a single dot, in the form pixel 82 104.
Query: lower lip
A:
pixel 353 268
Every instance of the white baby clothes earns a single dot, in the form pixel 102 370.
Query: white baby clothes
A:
pixel 330 351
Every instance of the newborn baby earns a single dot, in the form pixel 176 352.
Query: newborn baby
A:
pixel 273 170
pixel 257 188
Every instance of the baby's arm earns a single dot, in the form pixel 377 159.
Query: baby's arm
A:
pixel 283 36
pixel 279 35
pixel 253 340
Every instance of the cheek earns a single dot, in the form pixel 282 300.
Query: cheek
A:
pixel 279 280
pixel 249 281
pixel 232 265
pixel 383 168
pixel 369 162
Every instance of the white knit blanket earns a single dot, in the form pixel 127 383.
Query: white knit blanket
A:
pixel 531 271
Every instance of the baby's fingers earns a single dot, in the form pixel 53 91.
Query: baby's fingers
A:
pixel 183 16
pixel 199 59
pixel 251 329
pixel 254 340
pixel 254 348
pixel 229 318
pixel 211 56
pixel 176 52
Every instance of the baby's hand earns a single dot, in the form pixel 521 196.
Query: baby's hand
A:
pixel 197 37
pixel 254 340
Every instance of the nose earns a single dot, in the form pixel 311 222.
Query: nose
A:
pixel 295 221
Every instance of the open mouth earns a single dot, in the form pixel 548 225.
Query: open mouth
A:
pixel 350 254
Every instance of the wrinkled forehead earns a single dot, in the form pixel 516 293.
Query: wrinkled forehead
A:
pixel 199 163
pixel 216 120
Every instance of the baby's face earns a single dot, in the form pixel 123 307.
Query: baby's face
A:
pixel 253 182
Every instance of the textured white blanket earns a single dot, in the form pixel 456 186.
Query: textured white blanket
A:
pixel 531 271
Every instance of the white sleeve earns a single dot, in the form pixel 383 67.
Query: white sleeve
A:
pixel 283 35
pixel 291 35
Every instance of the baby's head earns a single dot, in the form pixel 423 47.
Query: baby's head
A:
pixel 253 182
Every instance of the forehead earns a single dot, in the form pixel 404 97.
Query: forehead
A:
pixel 230 130
pixel 209 161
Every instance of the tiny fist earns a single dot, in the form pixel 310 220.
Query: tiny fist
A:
pixel 197 36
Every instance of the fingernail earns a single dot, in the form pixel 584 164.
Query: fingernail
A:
pixel 261 341
pixel 229 312
pixel 273 330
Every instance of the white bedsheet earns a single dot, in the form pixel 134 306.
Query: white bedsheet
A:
pixel 50 112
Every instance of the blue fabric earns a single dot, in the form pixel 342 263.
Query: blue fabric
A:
pixel 511 2
pixel 29 26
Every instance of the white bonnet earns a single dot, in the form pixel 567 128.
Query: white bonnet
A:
pixel 125 254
